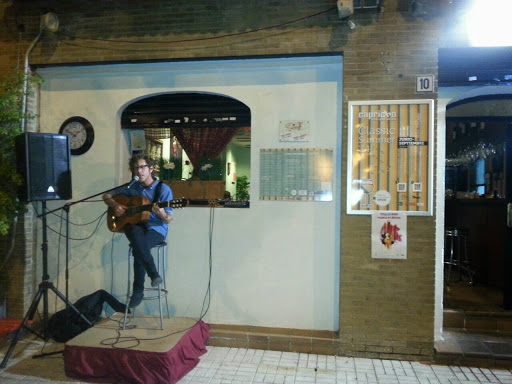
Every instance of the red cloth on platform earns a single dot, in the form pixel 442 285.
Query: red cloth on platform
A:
pixel 111 365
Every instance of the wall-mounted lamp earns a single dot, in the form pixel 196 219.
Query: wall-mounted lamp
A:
pixel 50 22
pixel 345 8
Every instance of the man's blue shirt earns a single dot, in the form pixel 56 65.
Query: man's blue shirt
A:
pixel 137 189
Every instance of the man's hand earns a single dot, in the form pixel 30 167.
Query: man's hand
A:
pixel 161 213
pixel 119 209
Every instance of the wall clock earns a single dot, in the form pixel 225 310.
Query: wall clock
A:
pixel 80 132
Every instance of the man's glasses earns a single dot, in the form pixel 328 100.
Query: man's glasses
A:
pixel 135 169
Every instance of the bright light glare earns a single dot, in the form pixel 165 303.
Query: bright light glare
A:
pixel 356 196
pixel 488 23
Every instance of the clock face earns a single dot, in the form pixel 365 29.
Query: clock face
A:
pixel 80 132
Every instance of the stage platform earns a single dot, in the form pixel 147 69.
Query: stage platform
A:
pixel 142 354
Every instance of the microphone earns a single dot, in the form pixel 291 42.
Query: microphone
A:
pixel 135 179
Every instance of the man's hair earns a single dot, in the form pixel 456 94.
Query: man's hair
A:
pixel 135 160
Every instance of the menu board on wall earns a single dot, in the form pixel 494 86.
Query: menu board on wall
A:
pixel 390 158
pixel 296 174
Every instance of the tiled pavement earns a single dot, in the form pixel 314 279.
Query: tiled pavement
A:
pixel 221 365
pixel 475 348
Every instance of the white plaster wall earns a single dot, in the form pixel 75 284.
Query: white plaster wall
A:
pixel 275 264
pixel 440 187
pixel 445 96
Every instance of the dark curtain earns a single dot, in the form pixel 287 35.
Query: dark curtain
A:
pixel 203 143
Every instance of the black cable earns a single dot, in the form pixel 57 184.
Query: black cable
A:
pixel 75 224
pixel 58 260
pixel 112 264
pixel 203 38
pixel 208 289
pixel 59 233
pixel 95 233
pixel 99 220
pixel 181 49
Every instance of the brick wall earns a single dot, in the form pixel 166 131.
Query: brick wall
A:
pixel 386 306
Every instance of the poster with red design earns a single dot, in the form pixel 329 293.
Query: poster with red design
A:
pixel 389 235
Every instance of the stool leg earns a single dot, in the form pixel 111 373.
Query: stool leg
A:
pixel 127 291
pixel 466 261
pixel 450 261
pixel 160 289
pixel 459 264
pixel 165 284
pixel 160 305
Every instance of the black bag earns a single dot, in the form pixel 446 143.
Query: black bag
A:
pixel 66 324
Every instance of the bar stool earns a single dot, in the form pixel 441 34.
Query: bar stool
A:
pixel 156 293
pixel 455 240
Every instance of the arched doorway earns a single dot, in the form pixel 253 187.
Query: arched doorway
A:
pixel 477 186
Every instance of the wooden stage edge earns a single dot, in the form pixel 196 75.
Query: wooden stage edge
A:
pixel 143 353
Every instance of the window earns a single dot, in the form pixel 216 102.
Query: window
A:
pixel 204 137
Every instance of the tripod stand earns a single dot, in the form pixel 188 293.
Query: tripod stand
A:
pixel 42 293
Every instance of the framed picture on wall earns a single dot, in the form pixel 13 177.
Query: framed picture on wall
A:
pixel 390 156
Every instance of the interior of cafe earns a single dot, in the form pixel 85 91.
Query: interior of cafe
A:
pixel 476 84
pixel 475 210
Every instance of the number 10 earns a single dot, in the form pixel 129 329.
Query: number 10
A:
pixel 425 83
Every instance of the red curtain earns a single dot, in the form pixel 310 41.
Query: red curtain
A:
pixel 203 143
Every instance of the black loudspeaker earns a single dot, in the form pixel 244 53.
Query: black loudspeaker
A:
pixel 43 161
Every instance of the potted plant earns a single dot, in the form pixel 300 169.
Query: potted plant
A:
pixel 242 188
pixel 170 169
pixel 210 169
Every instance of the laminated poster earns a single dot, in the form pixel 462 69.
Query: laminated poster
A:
pixel 390 159
pixel 389 235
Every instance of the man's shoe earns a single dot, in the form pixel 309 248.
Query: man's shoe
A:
pixel 136 299
pixel 156 281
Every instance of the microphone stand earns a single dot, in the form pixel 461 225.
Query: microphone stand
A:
pixel 46 285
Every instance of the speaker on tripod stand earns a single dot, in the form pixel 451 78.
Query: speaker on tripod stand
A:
pixel 43 160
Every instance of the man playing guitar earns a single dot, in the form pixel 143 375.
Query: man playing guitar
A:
pixel 143 236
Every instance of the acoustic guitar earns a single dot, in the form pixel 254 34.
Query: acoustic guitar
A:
pixel 137 211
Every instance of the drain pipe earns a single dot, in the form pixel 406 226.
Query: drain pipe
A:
pixel 50 22
pixel 25 81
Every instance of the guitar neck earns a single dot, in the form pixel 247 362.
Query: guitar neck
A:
pixel 163 204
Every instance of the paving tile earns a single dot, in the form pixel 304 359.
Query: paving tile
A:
pixel 500 350
pixel 246 366
pixel 473 348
